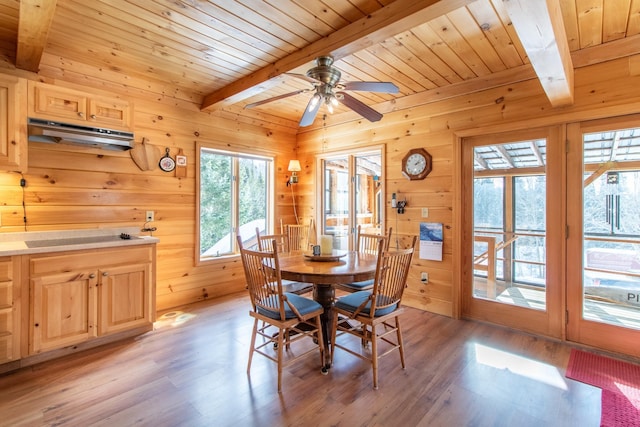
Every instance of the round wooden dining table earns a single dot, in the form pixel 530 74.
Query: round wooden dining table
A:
pixel 344 267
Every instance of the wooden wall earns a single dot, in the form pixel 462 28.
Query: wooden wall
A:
pixel 603 90
pixel 70 188
pixel 67 189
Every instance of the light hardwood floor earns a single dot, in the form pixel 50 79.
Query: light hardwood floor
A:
pixel 191 371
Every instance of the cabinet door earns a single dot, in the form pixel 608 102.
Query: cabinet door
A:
pixel 125 297
pixel 109 113
pixel 64 310
pixel 9 313
pixel 13 124
pixel 59 103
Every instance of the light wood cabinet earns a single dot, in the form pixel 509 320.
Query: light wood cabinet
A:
pixel 13 124
pixel 62 104
pixel 64 309
pixel 9 309
pixel 82 295
pixel 124 297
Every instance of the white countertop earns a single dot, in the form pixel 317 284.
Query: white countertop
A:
pixel 63 240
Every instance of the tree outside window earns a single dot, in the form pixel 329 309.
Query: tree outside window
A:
pixel 235 198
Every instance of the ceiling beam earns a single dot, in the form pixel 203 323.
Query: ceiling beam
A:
pixel 399 16
pixel 540 29
pixel 33 29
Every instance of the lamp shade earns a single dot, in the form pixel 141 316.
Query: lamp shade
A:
pixel 294 166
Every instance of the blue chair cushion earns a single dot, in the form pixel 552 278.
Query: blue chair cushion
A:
pixel 352 301
pixel 302 304
pixel 360 285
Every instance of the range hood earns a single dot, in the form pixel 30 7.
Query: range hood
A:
pixel 64 133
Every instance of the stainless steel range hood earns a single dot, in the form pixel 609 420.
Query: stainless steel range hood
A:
pixel 64 133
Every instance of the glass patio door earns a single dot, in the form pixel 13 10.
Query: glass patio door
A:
pixel 351 195
pixel 603 287
pixel 513 220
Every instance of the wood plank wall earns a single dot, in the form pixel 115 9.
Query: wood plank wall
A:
pixel 604 90
pixel 70 188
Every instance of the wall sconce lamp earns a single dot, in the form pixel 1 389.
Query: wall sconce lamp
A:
pixel 294 168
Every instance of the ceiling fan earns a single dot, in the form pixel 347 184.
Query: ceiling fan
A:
pixel 329 91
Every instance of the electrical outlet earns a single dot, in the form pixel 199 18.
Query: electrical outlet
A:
pixel 149 216
pixel 425 212
pixel 424 277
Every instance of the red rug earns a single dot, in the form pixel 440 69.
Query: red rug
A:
pixel 619 381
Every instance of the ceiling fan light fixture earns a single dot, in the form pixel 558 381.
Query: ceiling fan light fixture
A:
pixel 329 107
pixel 315 99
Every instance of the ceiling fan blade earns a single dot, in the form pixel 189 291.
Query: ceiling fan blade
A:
pixel 275 98
pixel 383 87
pixel 359 107
pixel 302 77
pixel 310 113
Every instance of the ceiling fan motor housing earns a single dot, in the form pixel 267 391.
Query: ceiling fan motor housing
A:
pixel 324 72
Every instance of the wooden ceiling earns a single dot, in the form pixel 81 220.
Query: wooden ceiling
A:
pixel 223 55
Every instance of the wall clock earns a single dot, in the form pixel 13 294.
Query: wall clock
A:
pixel 416 164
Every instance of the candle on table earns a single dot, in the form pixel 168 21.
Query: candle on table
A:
pixel 326 244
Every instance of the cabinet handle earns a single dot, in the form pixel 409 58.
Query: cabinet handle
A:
pixel 92 276
pixel 80 114
pixel 105 273
pixel 93 116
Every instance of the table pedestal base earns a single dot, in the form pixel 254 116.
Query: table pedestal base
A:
pixel 324 294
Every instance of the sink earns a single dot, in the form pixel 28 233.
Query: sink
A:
pixel 73 241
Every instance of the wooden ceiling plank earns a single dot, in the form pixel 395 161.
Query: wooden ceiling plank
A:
pixel 496 33
pixel 158 64
pixel 324 12
pixel 441 74
pixel 398 16
pixel 145 29
pixel 540 29
pixel 343 9
pixel 413 65
pixel 589 22
pixel 401 72
pixel 277 11
pixel 240 19
pixel 213 37
pixel 501 11
pixel 633 22
pixel 432 40
pixel 141 52
pixel 570 19
pixel 367 7
pixel 300 15
pixel 448 32
pixel 614 19
pixel 34 23
pixel 378 62
pixel 475 36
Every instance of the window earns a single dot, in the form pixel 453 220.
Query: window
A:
pixel 235 197
pixel 352 194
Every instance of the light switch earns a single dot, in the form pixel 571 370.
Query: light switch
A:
pixel 425 212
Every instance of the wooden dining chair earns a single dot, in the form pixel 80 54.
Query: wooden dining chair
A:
pixel 265 243
pixel 295 317
pixel 374 315
pixel 301 236
pixel 366 243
